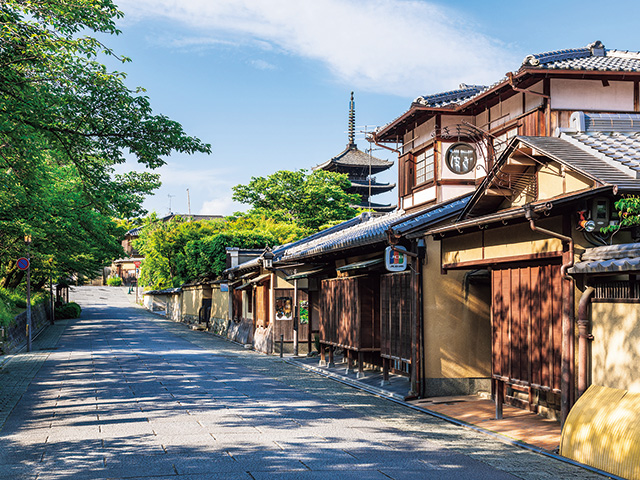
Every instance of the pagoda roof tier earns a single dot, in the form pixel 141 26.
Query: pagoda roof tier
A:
pixel 362 186
pixel 378 207
pixel 352 159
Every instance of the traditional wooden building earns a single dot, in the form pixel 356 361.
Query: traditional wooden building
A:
pixel 541 136
pixel 360 167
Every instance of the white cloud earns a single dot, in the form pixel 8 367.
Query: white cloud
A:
pixel 221 206
pixel 262 65
pixel 405 47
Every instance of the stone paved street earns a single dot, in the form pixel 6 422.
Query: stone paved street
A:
pixel 127 394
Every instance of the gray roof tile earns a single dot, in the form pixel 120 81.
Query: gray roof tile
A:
pixel 609 259
pixel 594 134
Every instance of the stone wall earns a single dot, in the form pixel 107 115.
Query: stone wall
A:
pixel 16 333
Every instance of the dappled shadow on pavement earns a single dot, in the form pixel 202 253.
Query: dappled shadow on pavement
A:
pixel 124 397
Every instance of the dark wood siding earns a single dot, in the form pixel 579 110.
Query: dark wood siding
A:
pixel 527 325
pixel 237 305
pixel 349 313
pixel 262 305
pixel 396 314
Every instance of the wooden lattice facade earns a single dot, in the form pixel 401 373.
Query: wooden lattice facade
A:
pixel 396 315
pixel 349 315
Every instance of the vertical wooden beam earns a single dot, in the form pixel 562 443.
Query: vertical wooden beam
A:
pixel 360 364
pixel 636 95
pixel 547 106
pixel 385 371
pixel 499 389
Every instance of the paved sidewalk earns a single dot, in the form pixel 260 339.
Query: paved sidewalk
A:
pixel 18 370
pixel 127 394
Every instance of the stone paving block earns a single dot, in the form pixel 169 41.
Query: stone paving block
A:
pixel 169 400
pixel 319 475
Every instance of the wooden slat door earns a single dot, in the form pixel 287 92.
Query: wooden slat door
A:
pixel 396 316
pixel 527 325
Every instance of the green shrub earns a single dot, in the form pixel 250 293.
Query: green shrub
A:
pixel 68 310
pixel 114 281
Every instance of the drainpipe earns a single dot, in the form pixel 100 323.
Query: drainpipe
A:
pixel 374 138
pixel 567 314
pixel 583 338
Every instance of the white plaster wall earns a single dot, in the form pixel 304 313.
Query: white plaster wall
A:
pixel 424 132
pixel 591 95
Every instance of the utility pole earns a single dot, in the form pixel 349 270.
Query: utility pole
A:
pixel 188 202
pixel 170 196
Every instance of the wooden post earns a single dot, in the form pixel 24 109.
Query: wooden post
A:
pixel 323 360
pixel 385 371
pixel 331 362
pixel 360 365
pixel 296 319
pixel 499 398
pixel 347 360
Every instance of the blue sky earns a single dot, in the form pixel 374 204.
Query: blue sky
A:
pixel 267 82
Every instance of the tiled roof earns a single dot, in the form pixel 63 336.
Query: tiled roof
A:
pixel 279 251
pixel 592 57
pixel 614 138
pixel 371 230
pixel 455 97
pixel 374 230
pixel 429 217
pixel 609 259
pixel 581 160
pixel 353 157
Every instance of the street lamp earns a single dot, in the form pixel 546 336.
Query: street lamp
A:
pixel 267 258
pixel 27 241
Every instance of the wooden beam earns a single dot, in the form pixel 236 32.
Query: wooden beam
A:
pixel 498 192
pixel 521 161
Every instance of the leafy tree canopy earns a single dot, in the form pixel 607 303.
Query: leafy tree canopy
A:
pixel 65 122
pixel 180 251
pixel 310 200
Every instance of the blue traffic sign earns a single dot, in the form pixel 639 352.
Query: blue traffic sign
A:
pixel 22 263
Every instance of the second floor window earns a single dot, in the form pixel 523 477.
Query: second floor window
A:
pixel 424 166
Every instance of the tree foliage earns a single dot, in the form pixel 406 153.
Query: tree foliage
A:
pixel 628 208
pixel 180 251
pixel 310 200
pixel 65 122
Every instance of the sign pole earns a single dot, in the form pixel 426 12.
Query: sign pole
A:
pixel 28 242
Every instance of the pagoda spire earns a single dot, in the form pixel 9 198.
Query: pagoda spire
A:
pixel 352 123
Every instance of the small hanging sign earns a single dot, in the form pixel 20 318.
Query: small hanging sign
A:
pixel 394 259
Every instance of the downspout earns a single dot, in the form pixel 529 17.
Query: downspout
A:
pixel 511 81
pixel 567 314
pixel 374 138
pixel 584 337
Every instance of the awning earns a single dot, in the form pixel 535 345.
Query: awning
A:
pixel 309 273
pixel 619 265
pixel 360 265
pixel 253 281
pixel 621 258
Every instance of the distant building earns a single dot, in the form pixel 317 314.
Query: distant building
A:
pixel 360 167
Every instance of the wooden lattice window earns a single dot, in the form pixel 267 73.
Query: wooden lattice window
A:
pixel 617 290
pixel 425 166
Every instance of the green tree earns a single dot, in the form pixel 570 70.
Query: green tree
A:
pixel 65 122
pixel 628 208
pixel 180 251
pixel 308 200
